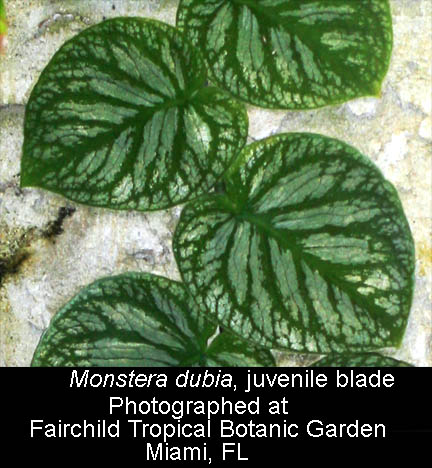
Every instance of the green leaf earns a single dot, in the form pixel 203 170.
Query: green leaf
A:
pixel 121 118
pixel 308 249
pixel 359 360
pixel 138 319
pixel 292 54
pixel 3 27
pixel 3 24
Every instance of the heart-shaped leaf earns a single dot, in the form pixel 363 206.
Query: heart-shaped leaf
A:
pixel 293 54
pixel 138 319
pixel 121 118
pixel 308 249
pixel 359 360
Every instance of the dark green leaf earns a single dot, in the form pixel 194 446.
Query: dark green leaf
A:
pixel 293 54
pixel 121 118
pixel 359 360
pixel 309 249
pixel 137 320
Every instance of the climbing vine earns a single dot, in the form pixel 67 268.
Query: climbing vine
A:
pixel 295 242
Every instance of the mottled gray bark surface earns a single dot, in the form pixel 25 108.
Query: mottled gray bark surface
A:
pixel 44 270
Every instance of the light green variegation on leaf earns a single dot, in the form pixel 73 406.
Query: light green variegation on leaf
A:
pixel 293 54
pixel 308 249
pixel 139 319
pixel 121 118
pixel 359 360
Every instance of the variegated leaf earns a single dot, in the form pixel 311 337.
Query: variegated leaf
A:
pixel 309 249
pixel 138 319
pixel 121 118
pixel 293 54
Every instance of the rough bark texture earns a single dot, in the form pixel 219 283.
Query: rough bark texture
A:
pixel 50 248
